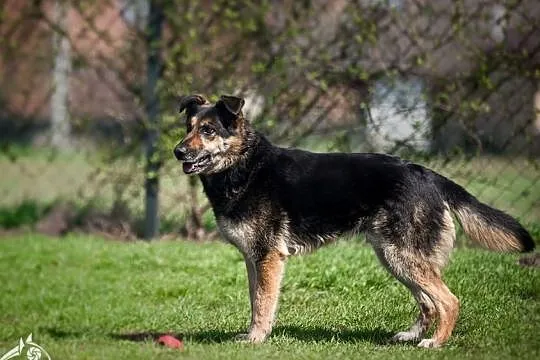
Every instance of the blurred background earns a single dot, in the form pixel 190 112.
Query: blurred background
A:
pixel 89 90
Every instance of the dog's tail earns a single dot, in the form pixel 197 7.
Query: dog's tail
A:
pixel 490 227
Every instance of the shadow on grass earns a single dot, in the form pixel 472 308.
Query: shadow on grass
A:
pixel 310 334
pixel 209 336
pixel 376 336
pixel 313 334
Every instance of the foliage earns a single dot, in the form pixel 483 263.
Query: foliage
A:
pixel 417 79
pixel 27 213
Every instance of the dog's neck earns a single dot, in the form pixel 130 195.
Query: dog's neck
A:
pixel 226 188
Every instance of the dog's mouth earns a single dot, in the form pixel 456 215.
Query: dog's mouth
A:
pixel 197 165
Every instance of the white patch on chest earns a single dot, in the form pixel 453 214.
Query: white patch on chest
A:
pixel 239 233
pixel 245 235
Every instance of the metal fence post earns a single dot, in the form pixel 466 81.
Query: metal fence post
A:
pixel 154 65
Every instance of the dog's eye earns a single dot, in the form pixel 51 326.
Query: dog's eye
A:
pixel 207 130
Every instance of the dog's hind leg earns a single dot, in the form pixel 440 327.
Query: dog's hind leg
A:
pixel 447 307
pixel 423 278
pixel 406 267
pixel 430 282
pixel 421 274
pixel 428 313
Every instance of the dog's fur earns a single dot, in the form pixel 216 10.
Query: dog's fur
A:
pixel 272 202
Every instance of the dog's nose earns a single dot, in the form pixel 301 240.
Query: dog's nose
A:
pixel 180 152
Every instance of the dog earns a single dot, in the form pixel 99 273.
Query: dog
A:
pixel 272 202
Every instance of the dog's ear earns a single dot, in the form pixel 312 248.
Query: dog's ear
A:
pixel 189 101
pixel 231 104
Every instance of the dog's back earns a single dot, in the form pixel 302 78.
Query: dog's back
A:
pixel 324 196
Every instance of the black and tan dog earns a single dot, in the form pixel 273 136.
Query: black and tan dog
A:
pixel 272 202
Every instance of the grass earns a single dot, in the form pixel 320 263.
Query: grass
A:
pixel 43 176
pixel 84 298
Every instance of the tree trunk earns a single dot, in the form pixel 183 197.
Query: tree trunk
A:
pixel 154 66
pixel 60 126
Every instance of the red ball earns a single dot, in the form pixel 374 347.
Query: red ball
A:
pixel 171 342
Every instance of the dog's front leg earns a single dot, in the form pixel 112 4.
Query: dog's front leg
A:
pixel 252 280
pixel 268 273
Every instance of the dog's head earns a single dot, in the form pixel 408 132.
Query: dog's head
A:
pixel 215 134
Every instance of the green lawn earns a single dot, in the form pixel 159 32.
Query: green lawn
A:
pixel 85 298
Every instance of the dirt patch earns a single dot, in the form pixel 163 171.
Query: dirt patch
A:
pixel 57 222
pixel 116 224
pixel 107 226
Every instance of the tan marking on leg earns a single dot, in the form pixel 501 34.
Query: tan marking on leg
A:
pixel 269 272
pixel 428 313
pixel 418 270
pixel 252 283
pixel 447 306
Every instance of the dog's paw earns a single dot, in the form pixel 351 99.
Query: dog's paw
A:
pixel 254 337
pixel 405 336
pixel 429 344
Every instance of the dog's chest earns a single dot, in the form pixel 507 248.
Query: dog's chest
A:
pixel 239 233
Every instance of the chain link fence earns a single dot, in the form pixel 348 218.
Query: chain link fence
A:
pixel 88 94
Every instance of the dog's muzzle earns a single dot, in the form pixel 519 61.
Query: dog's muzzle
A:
pixel 192 163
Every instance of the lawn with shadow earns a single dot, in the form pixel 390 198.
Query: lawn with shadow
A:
pixel 87 298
